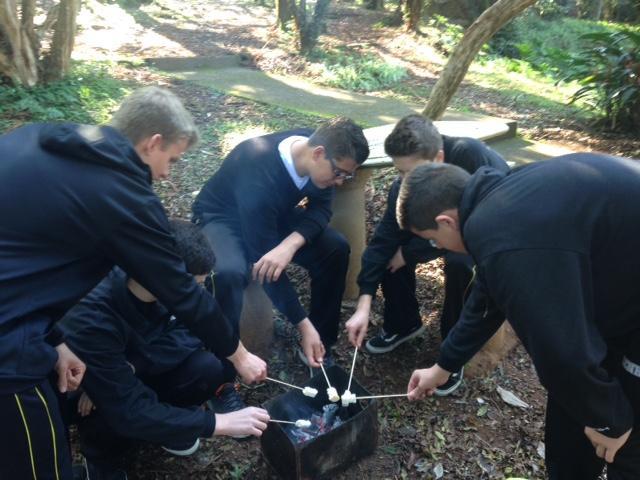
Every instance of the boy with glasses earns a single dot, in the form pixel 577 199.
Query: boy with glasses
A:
pixel 146 373
pixel 251 211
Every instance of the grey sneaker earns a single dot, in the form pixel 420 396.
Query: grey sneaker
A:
pixel 385 342
pixel 455 380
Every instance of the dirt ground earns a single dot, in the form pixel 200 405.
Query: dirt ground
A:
pixel 473 434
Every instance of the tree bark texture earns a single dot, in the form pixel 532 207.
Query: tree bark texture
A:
pixel 485 26
pixel 412 14
pixel 17 58
pixel 58 60
pixel 284 13
pixel 309 31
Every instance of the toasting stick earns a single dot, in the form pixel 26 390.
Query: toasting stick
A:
pixel 383 396
pixel 298 423
pixel 348 397
pixel 332 393
pixel 308 391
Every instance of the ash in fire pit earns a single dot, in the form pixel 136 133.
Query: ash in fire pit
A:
pixel 338 436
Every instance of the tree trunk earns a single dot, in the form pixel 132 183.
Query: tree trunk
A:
pixel 58 61
pixel 17 58
pixel 284 13
pixel 412 14
pixel 310 31
pixel 474 38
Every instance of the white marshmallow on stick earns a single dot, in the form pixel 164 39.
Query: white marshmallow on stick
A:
pixel 332 393
pixel 308 391
pixel 348 398
pixel 301 423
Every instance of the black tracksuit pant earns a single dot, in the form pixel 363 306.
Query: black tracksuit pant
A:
pixel 569 453
pixel 326 260
pixel 33 442
pixel 401 309
pixel 190 384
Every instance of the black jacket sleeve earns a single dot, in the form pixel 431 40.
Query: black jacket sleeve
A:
pixel 131 408
pixel 143 247
pixel 551 310
pixel 386 240
pixel 479 320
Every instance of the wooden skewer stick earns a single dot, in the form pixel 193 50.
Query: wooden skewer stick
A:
pixel 353 364
pixel 382 396
pixel 325 375
pixel 284 383
pixel 282 421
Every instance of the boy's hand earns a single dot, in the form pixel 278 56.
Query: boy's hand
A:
pixel 250 367
pixel 85 405
pixel 248 421
pixel 424 382
pixel 70 369
pixel 272 264
pixel 357 327
pixel 606 447
pixel 397 261
pixel 311 343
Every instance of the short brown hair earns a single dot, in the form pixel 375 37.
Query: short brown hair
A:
pixel 414 134
pixel 426 192
pixel 341 138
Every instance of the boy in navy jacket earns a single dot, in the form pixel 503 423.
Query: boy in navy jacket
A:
pixel 556 249
pixel 146 373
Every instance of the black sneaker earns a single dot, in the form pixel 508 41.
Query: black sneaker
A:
pixel 94 471
pixel 327 362
pixel 455 380
pixel 385 342
pixel 226 400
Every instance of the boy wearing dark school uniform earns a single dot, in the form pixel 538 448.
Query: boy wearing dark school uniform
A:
pixel 391 256
pixel 556 248
pixel 75 201
pixel 147 375
pixel 250 211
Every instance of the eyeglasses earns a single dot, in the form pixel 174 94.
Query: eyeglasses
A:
pixel 207 282
pixel 339 172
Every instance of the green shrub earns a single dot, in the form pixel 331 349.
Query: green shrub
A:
pixel 608 70
pixel 87 95
pixel 359 72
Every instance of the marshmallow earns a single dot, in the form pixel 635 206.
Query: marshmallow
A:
pixel 348 398
pixel 332 393
pixel 310 392
pixel 303 423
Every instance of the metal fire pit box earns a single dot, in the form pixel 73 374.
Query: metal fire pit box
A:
pixel 329 452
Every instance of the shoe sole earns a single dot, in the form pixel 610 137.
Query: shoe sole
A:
pixel 390 348
pixel 448 391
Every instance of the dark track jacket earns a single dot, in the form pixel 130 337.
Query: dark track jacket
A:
pixel 466 153
pixel 74 201
pixel 106 331
pixel 254 195
pixel 556 248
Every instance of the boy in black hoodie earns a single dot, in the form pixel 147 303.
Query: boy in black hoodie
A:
pixel 391 257
pixel 75 201
pixel 556 249
pixel 146 373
